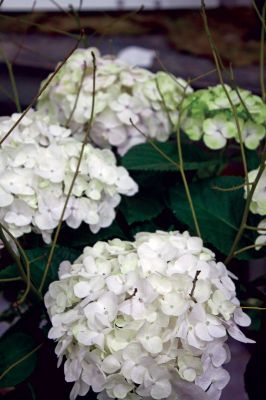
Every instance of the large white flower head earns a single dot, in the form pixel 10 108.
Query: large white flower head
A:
pixel 132 321
pixel 258 202
pixel 209 116
pixel 124 94
pixel 38 163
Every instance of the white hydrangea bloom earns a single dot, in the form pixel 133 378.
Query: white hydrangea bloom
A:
pixel 38 162
pixel 123 94
pixel 258 202
pixel 131 322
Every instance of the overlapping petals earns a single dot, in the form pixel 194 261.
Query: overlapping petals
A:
pixel 124 95
pixel 38 163
pixel 132 322
pixel 208 114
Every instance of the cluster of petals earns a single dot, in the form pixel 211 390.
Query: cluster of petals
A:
pixel 258 201
pixel 258 205
pixel 37 164
pixel 145 319
pixel 124 95
pixel 209 115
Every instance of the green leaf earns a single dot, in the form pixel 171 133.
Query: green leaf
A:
pixel 13 348
pixel 144 157
pixel 219 213
pixel 38 259
pixel 86 238
pixel 149 226
pixel 141 208
pixel 9 272
pixel 253 159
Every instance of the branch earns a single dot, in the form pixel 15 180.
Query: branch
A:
pixel 217 63
pixel 40 93
pixel 15 364
pixel 50 257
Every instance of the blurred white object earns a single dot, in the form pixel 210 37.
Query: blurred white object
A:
pixel 48 5
pixel 139 56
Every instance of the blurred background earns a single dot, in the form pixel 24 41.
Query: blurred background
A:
pixel 157 34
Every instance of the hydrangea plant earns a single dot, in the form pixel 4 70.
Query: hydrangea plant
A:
pixel 140 310
pixel 124 95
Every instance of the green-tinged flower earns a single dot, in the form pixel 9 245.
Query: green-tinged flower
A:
pixel 217 130
pixel 252 134
pixel 213 104
pixel 193 128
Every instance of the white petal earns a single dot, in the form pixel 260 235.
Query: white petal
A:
pixel 82 289
pixel 110 364
pixel 241 318
pixel 238 335
pixel 161 389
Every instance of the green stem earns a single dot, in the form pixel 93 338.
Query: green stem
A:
pixel 246 210
pixel 250 247
pixel 27 264
pixel 154 145
pixel 50 257
pixel 230 189
pixel 12 80
pixel 3 280
pixel 16 258
pixel 259 14
pixel 77 96
pixel 217 63
pixel 254 228
pixel 15 364
pixel 182 169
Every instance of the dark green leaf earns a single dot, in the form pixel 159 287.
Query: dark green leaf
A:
pixel 144 157
pixel 38 259
pixel 9 272
pixel 12 349
pixel 219 213
pixel 84 237
pixel 253 160
pixel 141 208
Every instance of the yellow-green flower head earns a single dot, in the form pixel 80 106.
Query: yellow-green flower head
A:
pixel 208 115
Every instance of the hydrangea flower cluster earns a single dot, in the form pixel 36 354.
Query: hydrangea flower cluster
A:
pixel 258 205
pixel 37 165
pixel 123 94
pixel 145 319
pixel 209 116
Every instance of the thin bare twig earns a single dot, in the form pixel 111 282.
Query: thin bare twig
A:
pixel 50 257
pixel 39 93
